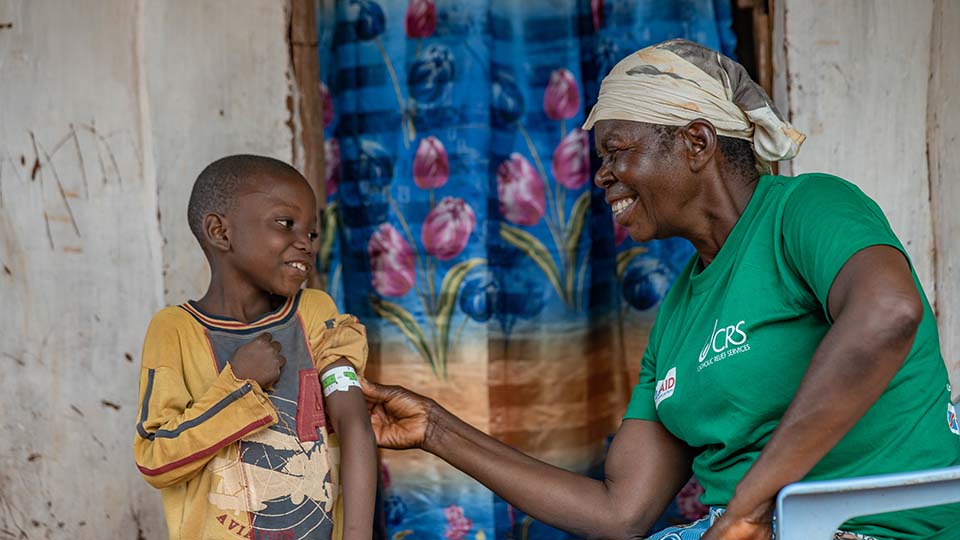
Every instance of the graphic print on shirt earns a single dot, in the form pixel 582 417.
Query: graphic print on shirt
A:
pixel 724 341
pixel 283 482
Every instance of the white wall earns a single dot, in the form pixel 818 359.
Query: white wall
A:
pixel 873 85
pixel 943 125
pixel 214 89
pixel 108 110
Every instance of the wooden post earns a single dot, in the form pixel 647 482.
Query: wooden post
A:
pixel 761 43
pixel 306 74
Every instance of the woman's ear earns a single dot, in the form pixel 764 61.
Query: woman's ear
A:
pixel 700 140
pixel 216 230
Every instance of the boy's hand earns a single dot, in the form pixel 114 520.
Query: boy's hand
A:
pixel 259 360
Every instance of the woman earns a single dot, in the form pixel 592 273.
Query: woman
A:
pixel 797 343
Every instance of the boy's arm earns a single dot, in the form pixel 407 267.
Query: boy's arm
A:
pixel 176 436
pixel 358 450
pixel 333 335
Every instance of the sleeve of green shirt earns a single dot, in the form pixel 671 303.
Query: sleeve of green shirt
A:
pixel 641 405
pixel 827 220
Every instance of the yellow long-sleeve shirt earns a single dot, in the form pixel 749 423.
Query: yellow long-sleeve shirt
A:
pixel 231 460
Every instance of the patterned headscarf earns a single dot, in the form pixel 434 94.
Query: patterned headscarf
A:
pixel 677 81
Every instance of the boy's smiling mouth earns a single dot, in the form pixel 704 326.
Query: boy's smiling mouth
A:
pixel 298 266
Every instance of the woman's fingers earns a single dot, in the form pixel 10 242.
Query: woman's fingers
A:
pixel 375 393
pixel 395 399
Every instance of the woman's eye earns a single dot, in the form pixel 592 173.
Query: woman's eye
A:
pixel 285 223
pixel 312 236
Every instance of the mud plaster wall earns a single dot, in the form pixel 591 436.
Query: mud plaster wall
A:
pixel 874 86
pixel 108 110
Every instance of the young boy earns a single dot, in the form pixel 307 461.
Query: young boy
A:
pixel 234 428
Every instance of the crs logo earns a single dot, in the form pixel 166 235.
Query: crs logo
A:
pixel 722 338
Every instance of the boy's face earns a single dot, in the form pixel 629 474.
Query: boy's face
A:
pixel 273 234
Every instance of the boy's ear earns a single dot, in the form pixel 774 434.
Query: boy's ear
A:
pixel 215 228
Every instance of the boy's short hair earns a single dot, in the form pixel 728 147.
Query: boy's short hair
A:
pixel 218 185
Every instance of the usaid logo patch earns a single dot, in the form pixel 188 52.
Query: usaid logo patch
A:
pixel 666 386
pixel 951 417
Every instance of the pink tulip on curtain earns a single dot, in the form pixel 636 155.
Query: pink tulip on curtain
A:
pixel 431 169
pixel 458 525
pixel 331 160
pixel 562 97
pixel 688 500
pixel 571 160
pixel 447 228
pixel 620 233
pixel 421 19
pixel 596 7
pixel 391 260
pixel 520 190
pixel 327 102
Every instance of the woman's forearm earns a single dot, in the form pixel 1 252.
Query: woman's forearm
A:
pixel 549 494
pixel 640 469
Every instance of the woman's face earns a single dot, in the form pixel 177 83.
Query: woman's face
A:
pixel 647 183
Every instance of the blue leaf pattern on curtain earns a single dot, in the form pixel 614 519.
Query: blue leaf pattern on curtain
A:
pixel 464 229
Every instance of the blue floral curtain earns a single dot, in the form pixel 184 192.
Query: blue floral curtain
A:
pixel 464 229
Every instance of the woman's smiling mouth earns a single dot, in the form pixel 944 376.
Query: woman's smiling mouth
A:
pixel 620 206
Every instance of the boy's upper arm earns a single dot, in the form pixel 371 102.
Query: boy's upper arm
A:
pixel 333 335
pixel 161 346
pixel 161 380
pixel 342 394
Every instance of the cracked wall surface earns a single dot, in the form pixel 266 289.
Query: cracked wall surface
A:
pixel 108 111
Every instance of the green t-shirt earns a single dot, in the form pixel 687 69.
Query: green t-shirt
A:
pixel 732 341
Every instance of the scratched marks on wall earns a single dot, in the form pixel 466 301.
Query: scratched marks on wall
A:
pixel 65 172
pixel 15 524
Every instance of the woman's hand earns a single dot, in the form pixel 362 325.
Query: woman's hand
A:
pixel 400 417
pixel 757 525
pixel 729 529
